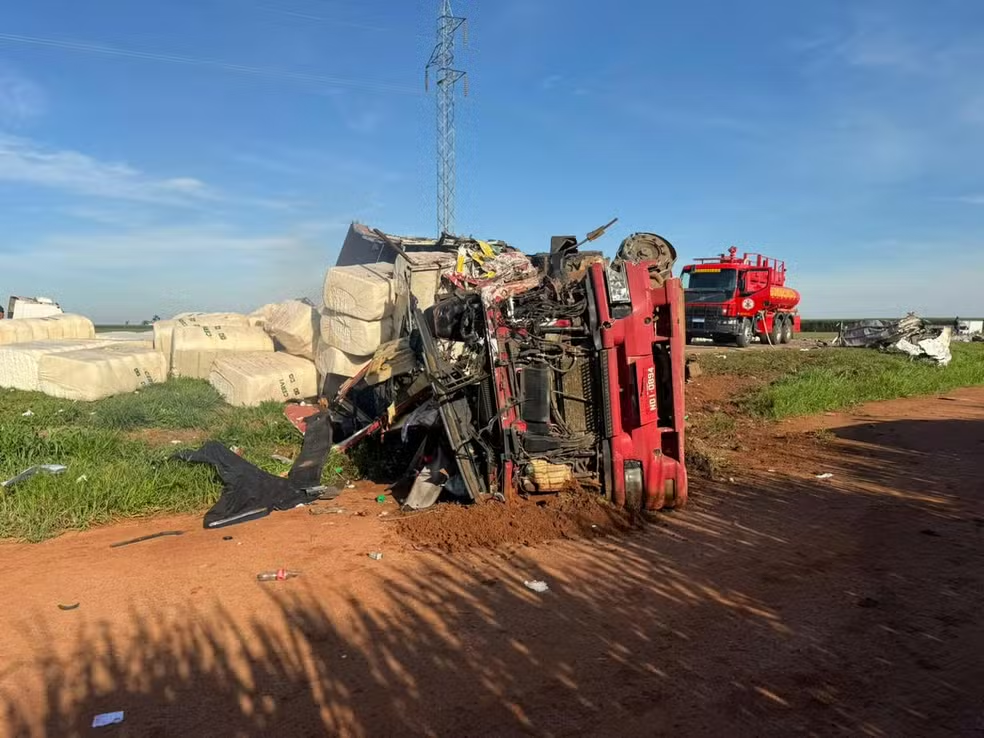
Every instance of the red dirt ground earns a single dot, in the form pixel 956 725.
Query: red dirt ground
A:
pixel 779 604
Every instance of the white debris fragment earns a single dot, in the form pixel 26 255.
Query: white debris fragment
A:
pixel 536 585
pixel 107 718
pixel 825 475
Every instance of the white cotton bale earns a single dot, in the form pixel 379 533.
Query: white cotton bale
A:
pixel 42 329
pixel 363 291
pixel 102 371
pixel 247 379
pixel 164 329
pixel 20 362
pixel 195 347
pixel 331 360
pixel 352 335
pixel 293 325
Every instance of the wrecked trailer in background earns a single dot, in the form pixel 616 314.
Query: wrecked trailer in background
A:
pixel 910 335
pixel 543 373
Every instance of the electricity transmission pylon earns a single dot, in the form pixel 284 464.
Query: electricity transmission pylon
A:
pixel 446 75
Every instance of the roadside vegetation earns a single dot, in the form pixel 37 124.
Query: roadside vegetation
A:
pixel 823 380
pixel 118 454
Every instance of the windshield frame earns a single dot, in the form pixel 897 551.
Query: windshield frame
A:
pixel 719 283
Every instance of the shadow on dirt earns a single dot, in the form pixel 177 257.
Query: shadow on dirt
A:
pixel 769 607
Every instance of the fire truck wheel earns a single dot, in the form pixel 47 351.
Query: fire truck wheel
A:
pixel 787 330
pixel 744 337
pixel 778 326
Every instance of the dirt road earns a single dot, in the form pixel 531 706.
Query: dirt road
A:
pixel 778 604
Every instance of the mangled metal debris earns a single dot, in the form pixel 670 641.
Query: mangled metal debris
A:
pixel 910 335
pixel 514 374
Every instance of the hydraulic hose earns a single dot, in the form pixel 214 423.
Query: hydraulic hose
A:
pixel 768 334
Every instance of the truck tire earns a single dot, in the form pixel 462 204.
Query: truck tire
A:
pixel 744 337
pixel 778 326
pixel 787 329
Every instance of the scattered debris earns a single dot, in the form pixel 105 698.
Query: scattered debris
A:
pixel 30 472
pixel 326 510
pixel 27 414
pixel 107 718
pixel 536 585
pixel 909 335
pixel 226 538
pixel 375 555
pixel 825 475
pixel 70 606
pixel 83 478
pixel 281 459
pixel 149 537
pixel 381 498
pixel 249 492
pixel 277 576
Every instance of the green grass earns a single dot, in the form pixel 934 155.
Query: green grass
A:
pixel 117 452
pixel 802 383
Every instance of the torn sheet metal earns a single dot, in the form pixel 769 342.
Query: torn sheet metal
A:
pixel 28 473
pixel 910 335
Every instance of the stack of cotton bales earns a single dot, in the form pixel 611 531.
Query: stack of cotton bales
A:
pixel 20 362
pixel 164 329
pixel 356 319
pixel 27 330
pixel 89 374
pixel 195 347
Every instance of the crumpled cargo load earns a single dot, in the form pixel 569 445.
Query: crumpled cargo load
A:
pixel 293 325
pixel 392 359
pixel 164 329
pixel 364 291
pixel 331 360
pixel 94 373
pixel 195 347
pixel 352 335
pixel 42 329
pixel 247 379
pixel 19 362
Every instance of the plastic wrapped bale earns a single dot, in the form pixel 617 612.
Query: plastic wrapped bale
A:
pixel 293 325
pixel 20 362
pixel 164 329
pixel 331 360
pixel 42 329
pixel 94 373
pixel 364 291
pixel 195 347
pixel 354 336
pixel 251 378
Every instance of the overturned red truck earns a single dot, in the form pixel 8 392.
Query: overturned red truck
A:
pixel 536 374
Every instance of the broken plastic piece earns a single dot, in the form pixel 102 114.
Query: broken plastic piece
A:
pixel 30 472
pixel 381 498
pixel 536 585
pixel 107 718
pixel 279 575
pixel 825 475
pixel 375 555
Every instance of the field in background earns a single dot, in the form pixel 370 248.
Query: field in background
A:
pixel 788 383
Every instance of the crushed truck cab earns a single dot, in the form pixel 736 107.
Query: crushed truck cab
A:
pixel 569 374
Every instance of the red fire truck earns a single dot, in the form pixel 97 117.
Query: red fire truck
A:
pixel 731 299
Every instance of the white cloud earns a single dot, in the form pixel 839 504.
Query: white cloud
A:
pixel 20 98
pixel 27 162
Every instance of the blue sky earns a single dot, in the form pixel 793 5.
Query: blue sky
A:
pixel 209 154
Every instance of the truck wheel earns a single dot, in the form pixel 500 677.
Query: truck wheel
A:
pixel 787 330
pixel 744 337
pixel 778 326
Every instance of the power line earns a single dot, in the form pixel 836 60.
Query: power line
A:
pixel 90 48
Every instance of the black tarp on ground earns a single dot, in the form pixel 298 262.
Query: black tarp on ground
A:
pixel 249 493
